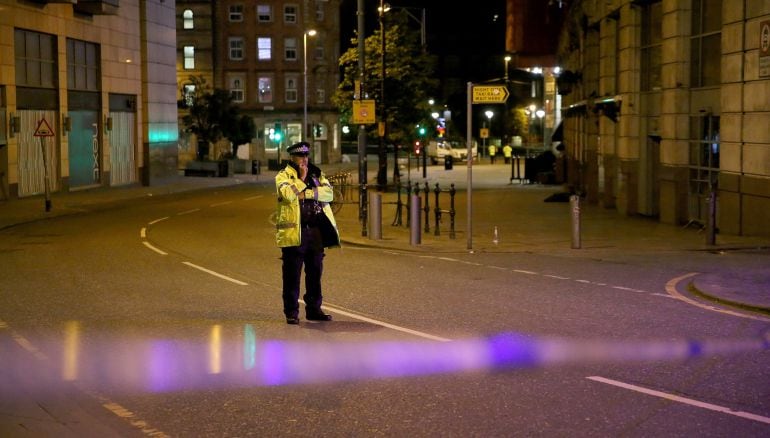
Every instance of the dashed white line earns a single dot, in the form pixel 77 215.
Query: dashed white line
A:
pixel 158 220
pixel 216 274
pixel 676 398
pixel 521 271
pixel 385 324
pixel 218 204
pixel 182 213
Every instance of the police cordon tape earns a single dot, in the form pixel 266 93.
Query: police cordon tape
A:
pixel 175 365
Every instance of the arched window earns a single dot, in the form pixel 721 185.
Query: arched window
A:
pixel 187 19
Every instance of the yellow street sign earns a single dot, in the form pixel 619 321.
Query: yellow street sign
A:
pixel 490 94
pixel 363 112
pixel 484 132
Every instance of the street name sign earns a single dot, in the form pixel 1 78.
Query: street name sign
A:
pixel 490 93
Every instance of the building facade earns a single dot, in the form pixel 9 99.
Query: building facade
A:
pixel 667 109
pixel 87 94
pixel 278 59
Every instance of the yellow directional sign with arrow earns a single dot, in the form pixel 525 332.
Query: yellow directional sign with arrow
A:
pixel 490 93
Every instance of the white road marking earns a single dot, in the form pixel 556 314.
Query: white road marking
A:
pixel 221 203
pixel 251 198
pixel 334 309
pixel 521 271
pixel 671 289
pixel 158 220
pixel 556 277
pixel 143 233
pixel 182 213
pixel 148 245
pixel 676 398
pixel 216 274
pixel 132 419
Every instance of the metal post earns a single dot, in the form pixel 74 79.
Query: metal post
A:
pixel 469 139
pixel 437 211
pixel 574 203
pixel 362 171
pixel 375 216
pixel 427 208
pixel 47 179
pixel 399 206
pixel 452 192
pixel 414 222
pixel 711 238
pixel 382 157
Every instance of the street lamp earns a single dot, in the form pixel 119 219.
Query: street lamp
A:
pixel 309 32
pixel 382 171
pixel 489 114
pixel 507 60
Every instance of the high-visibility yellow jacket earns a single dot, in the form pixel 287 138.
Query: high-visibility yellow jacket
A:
pixel 507 150
pixel 288 186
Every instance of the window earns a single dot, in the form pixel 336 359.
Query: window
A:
pixel 264 48
pixel 35 59
pixel 236 48
pixel 236 13
pixel 319 51
pixel 82 65
pixel 188 94
pixel 187 19
pixel 651 47
pixel 319 11
pixel 703 163
pixel 291 89
pixel 290 14
pixel 265 89
pixel 290 49
pixel 236 88
pixel 706 43
pixel 319 131
pixel 264 13
pixel 189 57
pixel 320 95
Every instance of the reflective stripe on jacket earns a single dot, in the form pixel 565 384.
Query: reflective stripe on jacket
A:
pixel 288 187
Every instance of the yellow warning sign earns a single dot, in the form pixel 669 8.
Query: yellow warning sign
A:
pixel 490 93
pixel 44 129
pixel 363 112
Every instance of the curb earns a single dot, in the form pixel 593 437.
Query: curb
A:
pixel 693 289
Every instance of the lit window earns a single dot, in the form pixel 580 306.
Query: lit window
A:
pixel 290 13
pixel 187 19
pixel 291 90
pixel 264 48
pixel 290 49
pixel 265 90
pixel 236 48
pixel 189 57
pixel 188 94
pixel 264 13
pixel 236 13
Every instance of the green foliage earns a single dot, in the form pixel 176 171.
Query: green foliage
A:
pixel 212 116
pixel 408 83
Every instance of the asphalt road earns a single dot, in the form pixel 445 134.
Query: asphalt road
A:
pixel 162 316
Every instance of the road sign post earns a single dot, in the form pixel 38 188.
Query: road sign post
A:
pixel 44 130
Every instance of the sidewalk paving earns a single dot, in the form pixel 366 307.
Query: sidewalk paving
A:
pixel 524 223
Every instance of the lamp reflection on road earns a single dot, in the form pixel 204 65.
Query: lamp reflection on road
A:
pixel 70 355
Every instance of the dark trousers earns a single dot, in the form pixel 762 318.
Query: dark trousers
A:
pixel 310 253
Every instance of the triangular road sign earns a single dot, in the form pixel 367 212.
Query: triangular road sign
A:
pixel 44 129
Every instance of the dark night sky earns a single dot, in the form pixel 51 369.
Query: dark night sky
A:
pixel 469 42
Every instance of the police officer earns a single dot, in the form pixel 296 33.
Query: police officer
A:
pixel 305 225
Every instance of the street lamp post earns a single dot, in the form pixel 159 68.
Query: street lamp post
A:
pixel 310 32
pixel 489 114
pixel 382 169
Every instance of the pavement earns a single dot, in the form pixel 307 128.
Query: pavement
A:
pixel 528 226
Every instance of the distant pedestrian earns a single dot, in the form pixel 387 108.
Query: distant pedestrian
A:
pixel 492 150
pixel 305 225
pixel 507 152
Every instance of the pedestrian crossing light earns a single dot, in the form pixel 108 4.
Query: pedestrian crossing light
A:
pixel 421 131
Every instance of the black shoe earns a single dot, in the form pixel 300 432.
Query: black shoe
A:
pixel 293 320
pixel 318 316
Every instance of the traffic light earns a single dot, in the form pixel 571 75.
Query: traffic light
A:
pixel 417 147
pixel 421 130
pixel 277 134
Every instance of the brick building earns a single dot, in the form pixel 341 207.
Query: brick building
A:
pixel 266 53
